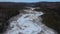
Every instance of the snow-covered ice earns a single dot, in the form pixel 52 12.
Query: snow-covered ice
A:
pixel 29 23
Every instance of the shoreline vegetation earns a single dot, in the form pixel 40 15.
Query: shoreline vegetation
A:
pixel 51 9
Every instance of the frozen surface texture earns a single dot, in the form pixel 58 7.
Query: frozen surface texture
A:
pixel 29 23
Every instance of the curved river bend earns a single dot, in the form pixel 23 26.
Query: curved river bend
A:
pixel 28 23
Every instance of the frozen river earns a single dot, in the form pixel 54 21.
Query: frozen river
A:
pixel 29 22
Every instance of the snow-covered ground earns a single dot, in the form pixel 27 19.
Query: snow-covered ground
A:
pixel 29 23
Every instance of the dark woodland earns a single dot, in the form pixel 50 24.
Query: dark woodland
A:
pixel 51 9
